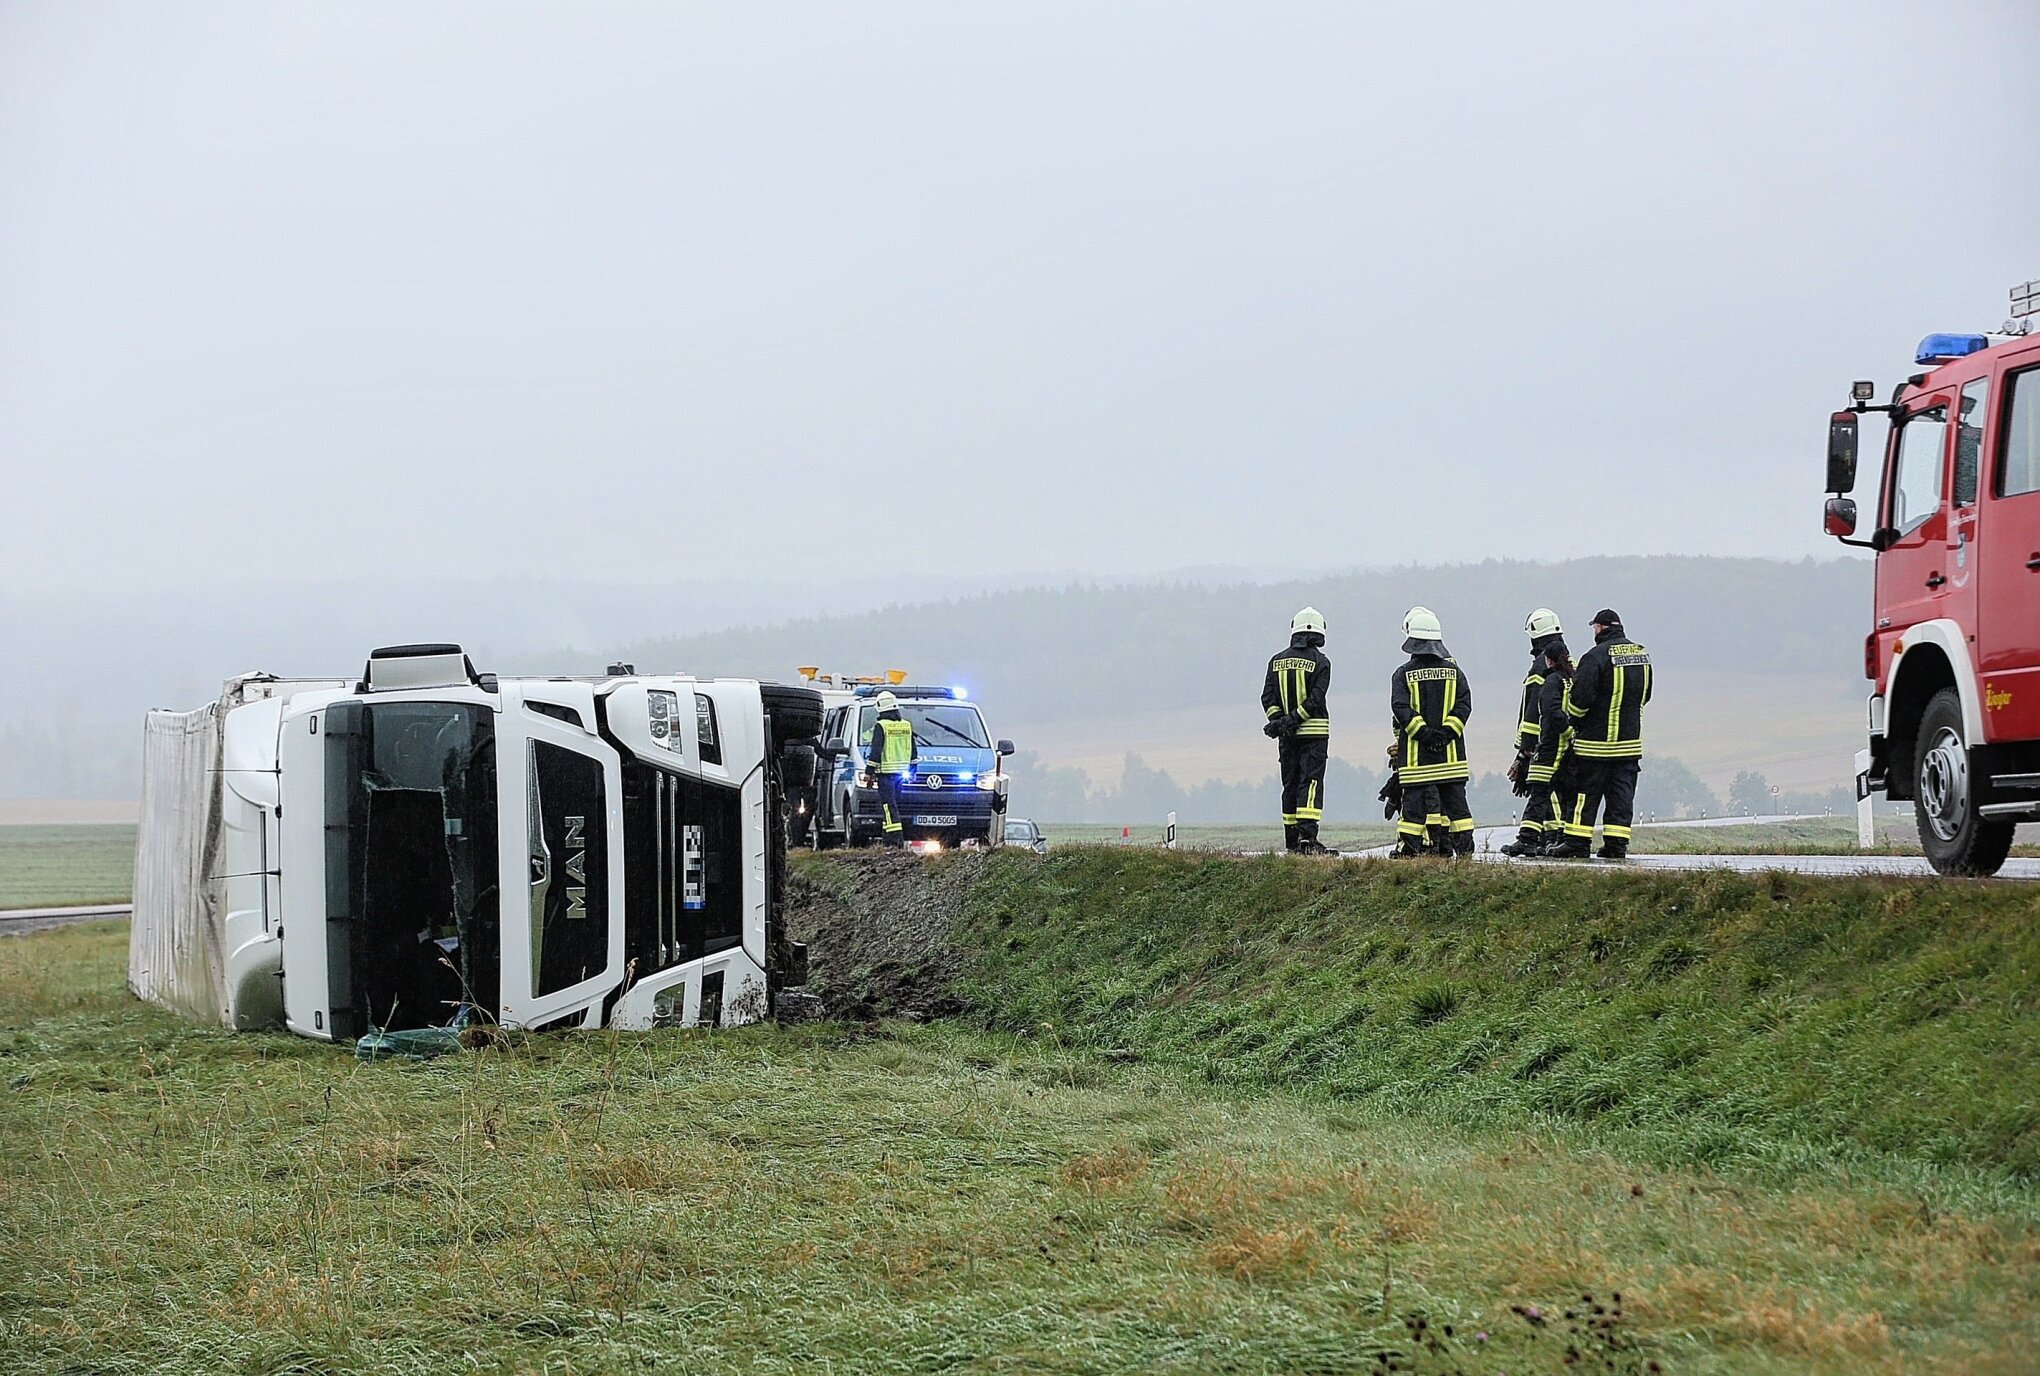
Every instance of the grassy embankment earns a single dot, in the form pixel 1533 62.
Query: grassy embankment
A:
pixel 1251 1116
pixel 66 865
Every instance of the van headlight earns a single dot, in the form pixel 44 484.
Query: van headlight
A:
pixel 989 783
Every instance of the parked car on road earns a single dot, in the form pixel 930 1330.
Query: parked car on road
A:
pixel 1022 832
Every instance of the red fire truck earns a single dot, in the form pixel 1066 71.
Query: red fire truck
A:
pixel 1955 653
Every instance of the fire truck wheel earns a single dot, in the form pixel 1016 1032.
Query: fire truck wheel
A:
pixel 1955 836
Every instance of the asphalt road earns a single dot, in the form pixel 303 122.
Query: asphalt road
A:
pixel 1488 841
pixel 15 921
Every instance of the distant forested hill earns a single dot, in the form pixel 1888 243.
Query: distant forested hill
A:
pixel 1048 653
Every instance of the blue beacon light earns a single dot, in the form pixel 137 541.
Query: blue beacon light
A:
pixel 1939 348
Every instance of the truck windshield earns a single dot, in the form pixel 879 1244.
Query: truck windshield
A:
pixel 411 859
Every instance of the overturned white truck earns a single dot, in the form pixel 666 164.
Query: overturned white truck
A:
pixel 429 845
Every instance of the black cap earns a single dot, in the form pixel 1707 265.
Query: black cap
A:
pixel 1607 617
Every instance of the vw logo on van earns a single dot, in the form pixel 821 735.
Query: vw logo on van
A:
pixel 933 781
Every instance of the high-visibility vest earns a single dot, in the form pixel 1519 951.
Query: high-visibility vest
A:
pixel 892 746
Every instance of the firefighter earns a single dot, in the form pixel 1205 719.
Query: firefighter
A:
pixel 892 756
pixel 1554 769
pixel 1606 703
pixel 1429 702
pixel 1543 628
pixel 1293 698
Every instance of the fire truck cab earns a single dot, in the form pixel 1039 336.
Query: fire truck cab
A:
pixel 1954 654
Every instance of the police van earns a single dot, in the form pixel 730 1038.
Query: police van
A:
pixel 954 795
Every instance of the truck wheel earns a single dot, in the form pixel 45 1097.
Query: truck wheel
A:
pixel 797 768
pixel 1956 838
pixel 795 714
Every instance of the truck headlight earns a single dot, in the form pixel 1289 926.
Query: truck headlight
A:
pixel 665 712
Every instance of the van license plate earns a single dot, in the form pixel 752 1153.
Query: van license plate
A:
pixel 934 821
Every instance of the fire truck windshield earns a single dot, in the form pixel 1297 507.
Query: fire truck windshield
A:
pixel 1916 487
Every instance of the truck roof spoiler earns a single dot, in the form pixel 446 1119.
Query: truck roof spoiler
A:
pixel 404 668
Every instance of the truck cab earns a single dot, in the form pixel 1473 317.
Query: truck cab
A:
pixel 956 793
pixel 430 845
pixel 1953 653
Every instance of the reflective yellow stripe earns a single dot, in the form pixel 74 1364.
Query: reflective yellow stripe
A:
pixel 1433 773
pixel 1462 824
pixel 1619 833
pixel 1607 750
pixel 1409 828
pixel 1617 679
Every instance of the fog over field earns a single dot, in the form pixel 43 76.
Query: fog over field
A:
pixel 579 328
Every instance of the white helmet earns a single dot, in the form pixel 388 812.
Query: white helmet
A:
pixel 1309 619
pixel 1543 621
pixel 1422 624
pixel 888 703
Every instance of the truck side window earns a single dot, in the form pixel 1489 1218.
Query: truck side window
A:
pixel 2019 461
pixel 1969 440
pixel 1922 459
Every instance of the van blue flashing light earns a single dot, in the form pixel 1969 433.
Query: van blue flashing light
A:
pixel 1939 348
pixel 958 694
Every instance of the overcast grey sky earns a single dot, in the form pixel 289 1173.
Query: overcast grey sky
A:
pixel 609 290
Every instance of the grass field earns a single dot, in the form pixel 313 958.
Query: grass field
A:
pixel 1203 1115
pixel 66 865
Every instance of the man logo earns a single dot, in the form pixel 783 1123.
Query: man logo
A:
pixel 577 868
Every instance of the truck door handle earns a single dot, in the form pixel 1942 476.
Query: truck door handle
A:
pixel 2034 563
pixel 1935 580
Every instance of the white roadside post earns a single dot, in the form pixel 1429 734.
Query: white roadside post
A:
pixel 1169 837
pixel 1866 814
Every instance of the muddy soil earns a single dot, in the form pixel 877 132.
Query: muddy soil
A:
pixel 880 930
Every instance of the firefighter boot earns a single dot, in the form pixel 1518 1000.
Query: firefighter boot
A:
pixel 1315 847
pixel 1569 848
pixel 1613 850
pixel 1289 838
pixel 1527 842
pixel 1409 848
pixel 1462 844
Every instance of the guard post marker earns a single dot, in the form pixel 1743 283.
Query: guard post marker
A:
pixel 1169 836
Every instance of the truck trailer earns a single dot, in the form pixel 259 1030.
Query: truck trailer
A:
pixel 428 846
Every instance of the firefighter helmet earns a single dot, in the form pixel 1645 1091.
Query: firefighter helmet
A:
pixel 1309 619
pixel 1422 624
pixel 888 703
pixel 1543 621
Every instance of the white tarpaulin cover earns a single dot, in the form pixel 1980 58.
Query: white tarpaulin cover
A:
pixel 177 950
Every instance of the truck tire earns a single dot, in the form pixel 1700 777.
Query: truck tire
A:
pixel 1956 838
pixel 795 714
pixel 797 768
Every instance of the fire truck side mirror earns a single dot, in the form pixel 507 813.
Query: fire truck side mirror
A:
pixel 1841 516
pixel 1841 468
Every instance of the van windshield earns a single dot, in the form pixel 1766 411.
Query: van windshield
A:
pixel 937 725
